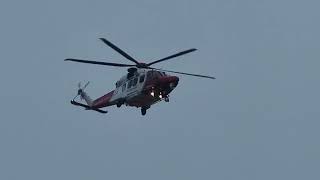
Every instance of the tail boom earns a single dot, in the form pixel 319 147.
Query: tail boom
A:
pixel 103 101
pixel 95 105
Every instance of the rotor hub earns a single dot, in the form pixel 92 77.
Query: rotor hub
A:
pixel 142 65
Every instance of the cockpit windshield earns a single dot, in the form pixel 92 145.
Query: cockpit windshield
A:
pixel 155 74
pixel 163 73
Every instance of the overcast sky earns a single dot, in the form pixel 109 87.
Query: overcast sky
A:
pixel 258 120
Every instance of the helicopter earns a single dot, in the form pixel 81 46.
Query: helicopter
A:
pixel 141 87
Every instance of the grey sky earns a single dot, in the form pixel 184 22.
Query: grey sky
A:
pixel 258 120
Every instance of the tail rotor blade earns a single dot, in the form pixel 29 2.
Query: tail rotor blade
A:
pixel 75 96
pixel 86 85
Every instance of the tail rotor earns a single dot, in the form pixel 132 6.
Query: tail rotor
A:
pixel 83 96
pixel 81 89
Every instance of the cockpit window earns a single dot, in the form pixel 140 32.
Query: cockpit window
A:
pixel 150 75
pixel 153 74
pixel 142 78
pixel 158 74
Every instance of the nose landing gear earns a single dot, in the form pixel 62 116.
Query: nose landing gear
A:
pixel 165 97
pixel 143 111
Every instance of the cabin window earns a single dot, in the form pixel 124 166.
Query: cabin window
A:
pixel 135 80
pixel 124 87
pixel 130 84
pixel 142 78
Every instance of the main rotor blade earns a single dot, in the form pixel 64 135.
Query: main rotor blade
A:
pixel 189 74
pixel 173 56
pixel 119 50
pixel 100 63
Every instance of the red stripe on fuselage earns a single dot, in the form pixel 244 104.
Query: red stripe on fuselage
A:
pixel 103 101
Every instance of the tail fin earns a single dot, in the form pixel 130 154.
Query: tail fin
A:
pixel 84 95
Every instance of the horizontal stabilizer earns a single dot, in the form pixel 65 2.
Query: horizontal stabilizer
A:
pixel 88 107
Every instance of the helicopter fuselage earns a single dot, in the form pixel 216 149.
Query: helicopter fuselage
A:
pixel 142 89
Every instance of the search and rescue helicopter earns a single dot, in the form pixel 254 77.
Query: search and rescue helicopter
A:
pixel 141 87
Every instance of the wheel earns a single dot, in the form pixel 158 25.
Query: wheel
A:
pixel 120 102
pixel 143 111
pixel 166 99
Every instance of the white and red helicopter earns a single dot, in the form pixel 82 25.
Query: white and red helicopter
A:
pixel 141 87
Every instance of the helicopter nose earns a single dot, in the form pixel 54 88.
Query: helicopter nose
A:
pixel 175 79
pixel 172 81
